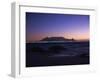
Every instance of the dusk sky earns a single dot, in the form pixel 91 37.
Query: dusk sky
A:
pixel 40 25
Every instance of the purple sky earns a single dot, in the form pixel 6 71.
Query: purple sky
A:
pixel 40 25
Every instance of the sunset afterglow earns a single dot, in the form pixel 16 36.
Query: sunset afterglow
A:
pixel 40 25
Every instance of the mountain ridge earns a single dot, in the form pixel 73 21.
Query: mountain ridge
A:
pixel 56 39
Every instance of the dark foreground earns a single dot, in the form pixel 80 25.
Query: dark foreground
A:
pixel 53 54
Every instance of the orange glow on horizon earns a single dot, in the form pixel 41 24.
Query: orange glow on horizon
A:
pixel 74 36
pixel 78 37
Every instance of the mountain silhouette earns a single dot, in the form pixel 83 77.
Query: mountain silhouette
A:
pixel 56 39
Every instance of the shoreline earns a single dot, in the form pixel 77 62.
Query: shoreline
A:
pixel 56 41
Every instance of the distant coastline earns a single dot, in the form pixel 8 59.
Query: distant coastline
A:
pixel 57 40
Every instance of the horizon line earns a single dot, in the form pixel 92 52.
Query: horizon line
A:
pixel 57 41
